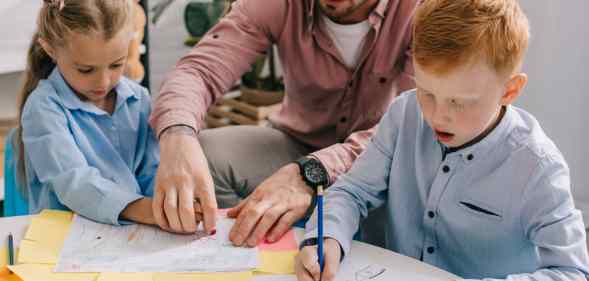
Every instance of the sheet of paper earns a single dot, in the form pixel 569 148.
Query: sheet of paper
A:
pixel 277 262
pixel 43 272
pixel 95 247
pixel 286 243
pixel 362 271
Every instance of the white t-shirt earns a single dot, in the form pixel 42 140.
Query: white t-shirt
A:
pixel 348 38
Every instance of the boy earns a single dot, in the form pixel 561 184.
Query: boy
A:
pixel 471 183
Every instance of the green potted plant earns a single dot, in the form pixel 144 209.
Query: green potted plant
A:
pixel 259 90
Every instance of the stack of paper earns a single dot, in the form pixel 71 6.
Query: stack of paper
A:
pixel 96 247
pixel 44 240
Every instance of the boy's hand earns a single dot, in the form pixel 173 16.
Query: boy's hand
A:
pixel 307 262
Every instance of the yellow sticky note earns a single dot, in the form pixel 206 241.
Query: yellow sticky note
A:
pixel 217 276
pixel 49 225
pixel 33 252
pixel 47 230
pixel 45 237
pixel 43 272
pixel 125 276
pixel 280 262
pixel 57 215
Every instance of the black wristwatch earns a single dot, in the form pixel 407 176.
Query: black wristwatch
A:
pixel 313 172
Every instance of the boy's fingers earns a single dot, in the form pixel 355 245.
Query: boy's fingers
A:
pixel 310 262
pixel 332 259
pixel 301 272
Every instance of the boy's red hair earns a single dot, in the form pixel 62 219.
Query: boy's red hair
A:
pixel 449 33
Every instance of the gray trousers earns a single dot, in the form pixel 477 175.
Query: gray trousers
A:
pixel 241 157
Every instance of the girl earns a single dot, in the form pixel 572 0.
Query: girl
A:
pixel 84 136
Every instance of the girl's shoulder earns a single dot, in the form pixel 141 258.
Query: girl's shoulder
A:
pixel 136 89
pixel 43 97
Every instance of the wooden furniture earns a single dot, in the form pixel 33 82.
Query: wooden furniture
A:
pixel 233 110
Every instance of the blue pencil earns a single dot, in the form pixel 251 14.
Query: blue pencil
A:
pixel 10 250
pixel 320 226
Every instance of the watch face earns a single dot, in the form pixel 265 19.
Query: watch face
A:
pixel 315 173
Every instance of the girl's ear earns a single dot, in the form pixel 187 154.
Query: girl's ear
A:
pixel 47 48
pixel 514 88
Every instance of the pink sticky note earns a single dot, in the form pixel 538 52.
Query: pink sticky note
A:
pixel 286 243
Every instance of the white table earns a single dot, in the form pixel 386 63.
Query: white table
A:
pixel 397 266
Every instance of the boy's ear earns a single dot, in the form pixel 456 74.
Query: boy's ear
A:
pixel 513 88
pixel 50 51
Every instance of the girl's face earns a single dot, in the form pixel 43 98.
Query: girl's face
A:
pixel 91 65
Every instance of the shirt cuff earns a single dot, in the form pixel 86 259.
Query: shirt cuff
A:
pixel 333 163
pixel 173 118
pixel 313 242
pixel 114 204
pixel 330 231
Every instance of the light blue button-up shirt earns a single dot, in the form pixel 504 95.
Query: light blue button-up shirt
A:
pixel 499 209
pixel 80 157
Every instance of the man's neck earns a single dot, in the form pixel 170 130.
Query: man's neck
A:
pixel 361 13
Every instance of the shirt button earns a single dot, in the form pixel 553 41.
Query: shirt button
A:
pixel 343 119
pixel 430 250
pixel 446 169
pixel 470 157
pixel 431 214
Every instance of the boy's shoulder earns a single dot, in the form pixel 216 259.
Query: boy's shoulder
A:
pixel 405 102
pixel 528 140
pixel 404 111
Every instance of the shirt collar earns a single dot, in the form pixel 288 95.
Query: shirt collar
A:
pixel 492 140
pixel 73 102
pixel 380 11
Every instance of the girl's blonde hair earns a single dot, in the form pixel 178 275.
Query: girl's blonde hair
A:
pixel 58 19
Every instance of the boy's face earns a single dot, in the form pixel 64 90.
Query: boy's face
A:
pixel 462 104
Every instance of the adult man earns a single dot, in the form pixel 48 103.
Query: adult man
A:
pixel 344 61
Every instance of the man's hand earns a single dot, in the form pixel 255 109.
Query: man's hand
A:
pixel 307 262
pixel 272 208
pixel 183 178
